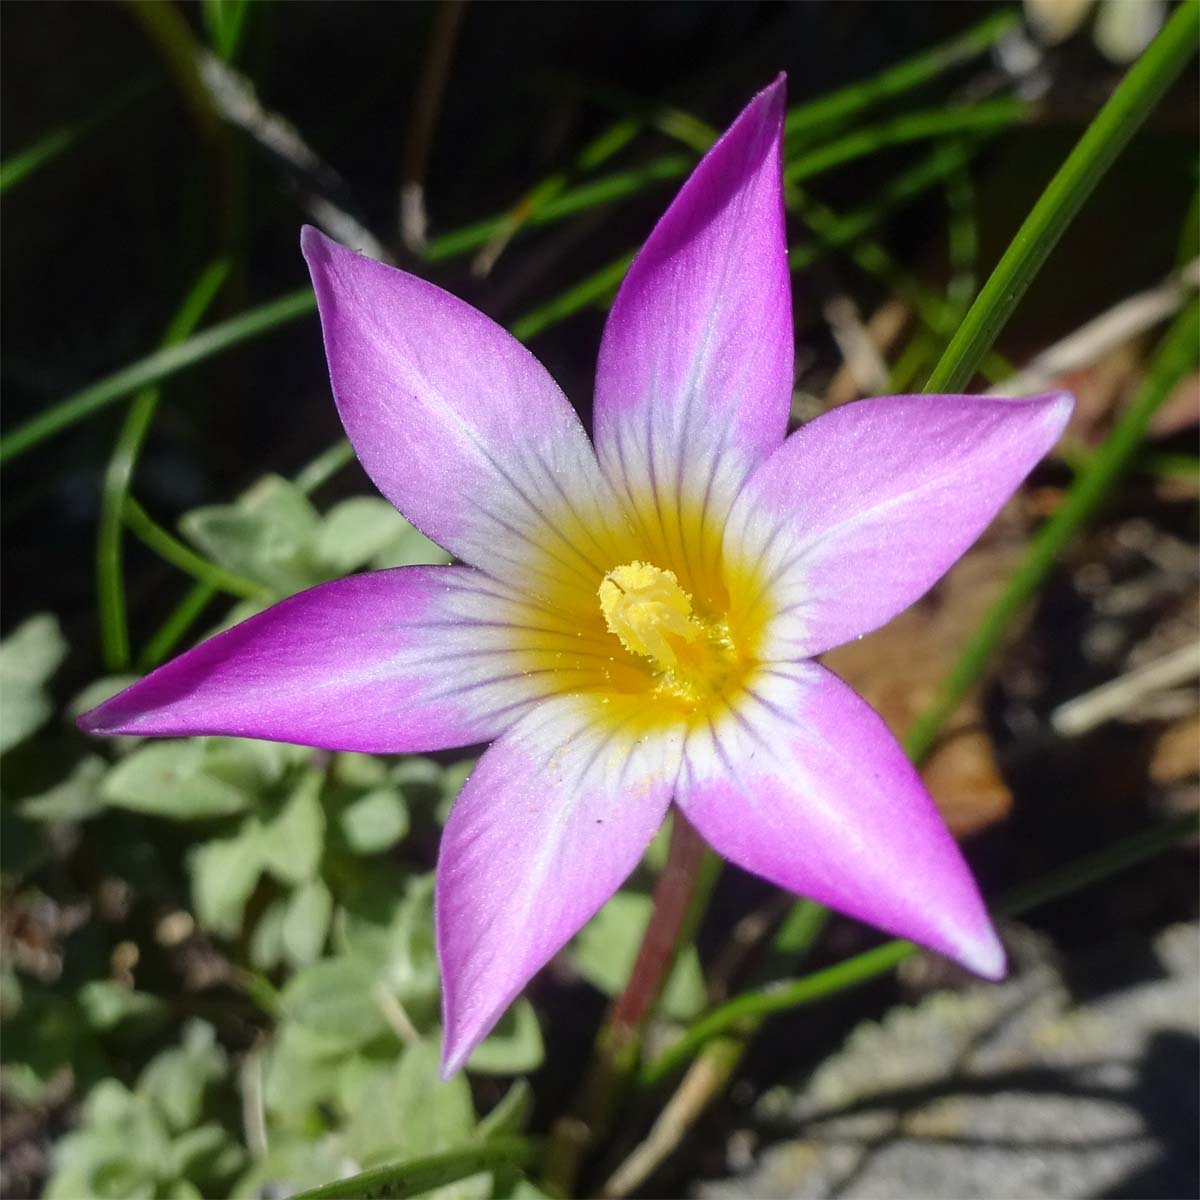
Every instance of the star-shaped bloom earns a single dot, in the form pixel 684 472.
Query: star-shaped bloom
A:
pixel 635 619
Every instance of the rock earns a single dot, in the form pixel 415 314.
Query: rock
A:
pixel 1076 1080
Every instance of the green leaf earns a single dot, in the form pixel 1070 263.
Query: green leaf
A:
pixel 196 1151
pixel 44 1036
pixel 176 1080
pixel 410 548
pixel 98 691
pixel 107 1005
pixel 292 839
pixel 356 531
pixel 455 1173
pixel 293 1161
pixel 452 779
pixel 170 779
pixel 514 1046
pixel 605 950
pixel 28 657
pixel 392 930
pixel 405 1109
pixel 301 1073
pixel 266 940
pixel 358 770
pixel 375 821
pixel 337 1001
pixel 305 923
pixel 249 764
pixel 224 873
pixel 75 799
pixel 263 535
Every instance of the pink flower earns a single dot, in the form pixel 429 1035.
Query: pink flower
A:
pixel 636 618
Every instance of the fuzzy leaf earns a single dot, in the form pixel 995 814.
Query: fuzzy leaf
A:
pixel 375 821
pixel 28 657
pixel 514 1046
pixel 305 924
pixel 170 779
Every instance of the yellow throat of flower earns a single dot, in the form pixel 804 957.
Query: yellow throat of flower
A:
pixel 649 612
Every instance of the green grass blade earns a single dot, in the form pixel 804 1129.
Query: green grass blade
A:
pixel 110 585
pixel 587 291
pixel 962 231
pixel 752 1007
pixel 169 634
pixel 1126 109
pixel 1178 353
pixel 172 550
pixel 804 118
pixel 162 364
pixel 325 466
pixel 988 117
pixel 225 21
pixel 587 195
pixel 23 164
pixel 845 228
pixel 419 1175
pixel 46 149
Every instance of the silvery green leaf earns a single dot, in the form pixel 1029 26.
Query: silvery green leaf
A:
pixel 514 1045
pixel 306 923
pixel 176 1080
pixel 338 1000
pixel 511 1115
pixel 264 535
pixel 405 1109
pixel 105 1005
pixel 224 873
pixel 293 837
pixel 266 941
pixel 171 779
pixel 28 657
pixel 355 531
pixel 374 821
pixel 75 799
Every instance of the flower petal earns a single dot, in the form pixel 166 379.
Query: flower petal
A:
pixel 415 658
pixel 861 511
pixel 556 815
pixel 457 424
pixel 801 782
pixel 695 372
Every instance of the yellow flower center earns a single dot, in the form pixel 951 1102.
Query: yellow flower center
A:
pixel 653 617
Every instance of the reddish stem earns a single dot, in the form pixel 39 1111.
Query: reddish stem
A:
pixel 672 896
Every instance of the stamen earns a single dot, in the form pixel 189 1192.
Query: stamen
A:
pixel 647 609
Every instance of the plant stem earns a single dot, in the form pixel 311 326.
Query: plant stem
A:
pixel 110 585
pixel 672 899
pixel 678 904
pixel 142 526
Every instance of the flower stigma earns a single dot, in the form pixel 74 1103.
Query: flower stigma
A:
pixel 652 616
